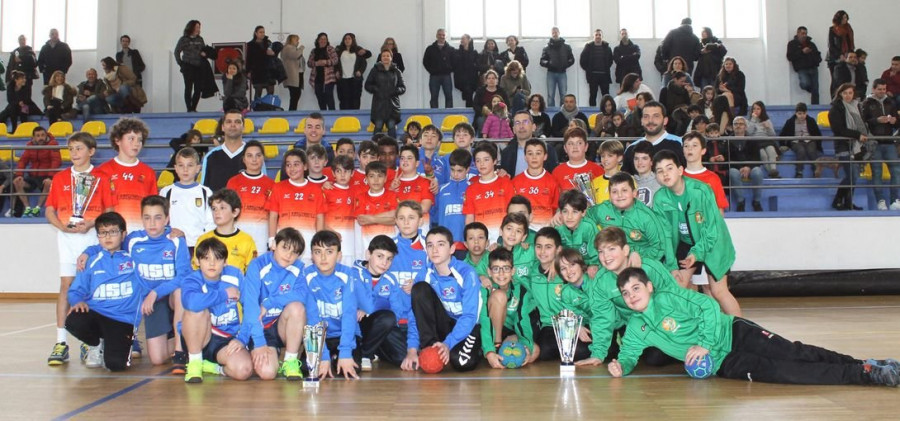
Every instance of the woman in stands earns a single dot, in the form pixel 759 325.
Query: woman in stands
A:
pixel 19 104
pixel 259 63
pixel 465 71
pixel 294 67
pixel 484 95
pixel 121 80
pixel 514 52
pixel 676 64
pixel 840 40
pixel 190 56
pixel 350 68
pixel 759 124
pixel 846 121
pixel 628 90
pixel 59 97
pixel 712 52
pixel 321 71
pixel 385 83
pixel 489 59
pixel 537 107
pixel 516 86
pixel 723 115
pixel 604 117
pixel 731 82
pixel 234 87
pixel 390 44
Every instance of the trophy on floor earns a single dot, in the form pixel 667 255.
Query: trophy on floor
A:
pixel 83 188
pixel 566 326
pixel 313 342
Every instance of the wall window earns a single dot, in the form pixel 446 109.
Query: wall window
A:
pixel 76 21
pixel 523 18
pixel 726 18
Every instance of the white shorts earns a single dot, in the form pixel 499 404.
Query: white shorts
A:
pixel 700 278
pixel 70 247
pixel 259 232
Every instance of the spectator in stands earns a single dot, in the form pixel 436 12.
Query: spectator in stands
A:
pixel 465 69
pixel 633 118
pixel 226 160
pixel 121 81
pixel 24 60
pixel 676 64
pixel 760 125
pixel 18 101
pixel 294 67
pixel 681 42
pixel 880 115
pixel 849 71
pixel 748 173
pixel 805 58
pixel 707 95
pixel 483 97
pixel 489 59
pixel 628 90
pixel 59 98
pixel 321 71
pixel 514 52
pixel 654 120
pixel 512 158
pixel 515 85
pixel 438 61
pixel 192 138
pixel 861 56
pixel 597 59
pixel 91 95
pixel 604 117
pixel 496 125
pixel 891 76
pixel 567 112
pixel 846 121
pixel 55 55
pixel 840 42
pixel 259 63
pixel 234 87
pixel 385 83
pixel 537 108
pixel 722 115
pixel 131 58
pixel 556 58
pixel 313 134
pixel 190 58
pixel 712 52
pixel 42 164
pixel 731 82
pixel 627 56
pixel 350 68
pixel 801 125
pixel 390 44
pixel 676 96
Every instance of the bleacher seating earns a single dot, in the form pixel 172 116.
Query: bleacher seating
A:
pixel 61 129
pixel 23 131
pixel 94 127
pixel 275 125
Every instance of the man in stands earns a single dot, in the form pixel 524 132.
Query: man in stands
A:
pixel 90 99
pixel 512 158
pixel 850 71
pixel 567 113
pixel 654 121
pixel 35 179
pixel 681 42
pixel 880 115
pixel 438 61
pixel 891 76
pixel 313 133
pixel 55 55
pixel 805 58
pixel 226 160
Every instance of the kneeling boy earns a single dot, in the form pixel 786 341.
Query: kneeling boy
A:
pixel 506 310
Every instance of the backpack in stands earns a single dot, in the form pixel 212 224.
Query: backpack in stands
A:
pixel 267 103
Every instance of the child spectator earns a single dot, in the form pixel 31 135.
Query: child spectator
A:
pixel 130 179
pixel 296 202
pixel 226 207
pixel 760 125
pixel 188 201
pixel 339 206
pixel 694 151
pixel 43 164
pixel 505 311
pixel 578 169
pixel 254 187
pixel 486 198
pixel 375 209
pixel 611 153
pixel 452 194
pixel 645 178
pixel 413 134
pixel 496 126
pixel 802 125
pixel 715 152
pixel 537 185
pixel 575 232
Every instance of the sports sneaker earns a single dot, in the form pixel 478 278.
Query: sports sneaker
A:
pixel 757 207
pixel 94 357
pixel 27 212
pixel 8 214
pixel 889 362
pixel 366 364
pixel 136 349
pixel 291 370
pixel 210 367
pixel 59 355
pixel 84 351
pixel 882 375
pixel 194 372
pixel 895 205
pixel 882 205
pixel 179 359
pixel 36 212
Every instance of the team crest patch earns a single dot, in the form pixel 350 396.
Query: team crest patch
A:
pixel 284 288
pixel 698 217
pixel 417 264
pixel 635 235
pixel 384 290
pixel 126 267
pixel 558 290
pixel 168 254
pixel 198 202
pixel 669 325
pixel 448 292
pixel 338 294
pixel 513 303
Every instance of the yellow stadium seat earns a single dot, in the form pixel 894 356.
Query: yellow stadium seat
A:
pixel 446 147
pixel 95 128
pixel 822 120
pixel 371 128
pixel 8 155
pixel 65 155
pixel 3 131
pixel 270 151
pixel 423 120
pixel 24 130
pixel 61 129
pixel 206 126
pixel 301 126
pixel 867 172
pixel 275 125
pixel 346 124
pixel 166 178
pixel 592 121
pixel 249 127
pixel 451 121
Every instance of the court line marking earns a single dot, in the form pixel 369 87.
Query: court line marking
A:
pixel 107 398
pixel 27 330
pixel 820 308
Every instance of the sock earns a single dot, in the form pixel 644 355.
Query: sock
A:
pixel 220 370
pixel 288 356
pixel 195 357
pixel 61 334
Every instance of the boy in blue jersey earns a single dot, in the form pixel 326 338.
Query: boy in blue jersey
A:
pixel 275 292
pixel 384 329
pixel 106 299
pixel 451 195
pixel 332 298
pixel 211 326
pixel 446 306
pixel 408 265
pixel 430 163
pixel 463 138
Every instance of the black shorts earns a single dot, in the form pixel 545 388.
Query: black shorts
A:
pixel 271 333
pixel 684 249
pixel 35 183
pixel 212 348
pixel 159 322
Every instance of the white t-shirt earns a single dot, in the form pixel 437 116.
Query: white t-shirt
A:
pixel 189 209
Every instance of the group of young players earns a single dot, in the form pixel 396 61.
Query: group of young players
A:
pixel 442 251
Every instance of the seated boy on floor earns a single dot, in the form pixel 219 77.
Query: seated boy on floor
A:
pixel 505 314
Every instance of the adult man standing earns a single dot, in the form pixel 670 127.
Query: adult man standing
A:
pixel 880 115
pixel 24 60
pixel 55 55
pixel 805 58
pixel 596 59
pixel 654 121
pixel 556 58
pixel 849 71
pixel 226 160
pixel 891 77
pixel 681 42
pixel 627 56
pixel 131 58
pixel 567 112
pixel 313 133
pixel 438 61
pixel 512 158
pixel 40 163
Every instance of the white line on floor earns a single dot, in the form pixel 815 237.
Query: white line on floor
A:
pixel 27 330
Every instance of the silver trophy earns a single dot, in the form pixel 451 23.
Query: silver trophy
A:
pixel 314 342
pixel 83 188
pixel 582 183
pixel 566 326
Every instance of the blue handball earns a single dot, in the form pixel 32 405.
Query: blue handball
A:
pixel 700 369
pixel 512 354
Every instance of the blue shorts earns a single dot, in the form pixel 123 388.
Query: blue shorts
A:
pixel 212 348
pixel 271 333
pixel 159 322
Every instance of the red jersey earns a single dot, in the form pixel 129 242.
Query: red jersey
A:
pixel 543 193
pixel 359 183
pixel 130 183
pixel 297 205
pixel 339 218
pixel 417 189
pixel 711 179
pixel 587 171
pixel 372 204
pixel 60 195
pixel 254 192
pixel 487 201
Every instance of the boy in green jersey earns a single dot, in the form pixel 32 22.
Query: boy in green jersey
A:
pixel 575 231
pixel 476 239
pixel 505 314
pixel 513 231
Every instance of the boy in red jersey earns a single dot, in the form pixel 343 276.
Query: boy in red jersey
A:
pixel 487 197
pixel 414 186
pixel 339 207
pixel 375 209
pixel 368 152
pixel 296 202
pixel 254 187
pixel 537 185
pixel 694 151
pixel 130 179
pixel 575 145
pixel 318 160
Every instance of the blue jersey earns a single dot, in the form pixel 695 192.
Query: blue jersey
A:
pixel 449 207
pixel 334 297
pixel 199 293
pixel 460 294
pixel 438 166
pixel 386 294
pixel 273 287
pixel 409 263
pixel 473 172
pixel 110 286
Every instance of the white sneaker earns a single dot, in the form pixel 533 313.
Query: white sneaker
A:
pixel 895 205
pixel 94 357
pixel 882 205
pixel 8 213
pixel 366 364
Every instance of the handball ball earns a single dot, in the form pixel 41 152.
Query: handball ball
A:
pixel 700 369
pixel 512 354
pixel 430 360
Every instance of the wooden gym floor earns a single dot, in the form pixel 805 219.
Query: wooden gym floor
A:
pixel 859 326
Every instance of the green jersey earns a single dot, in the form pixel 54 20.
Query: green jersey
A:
pixel 519 305
pixel 553 295
pixel 646 231
pixel 608 309
pixel 581 239
pixel 523 262
pixel 481 268
pixel 674 321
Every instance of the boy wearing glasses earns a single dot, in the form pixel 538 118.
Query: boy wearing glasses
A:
pixel 505 312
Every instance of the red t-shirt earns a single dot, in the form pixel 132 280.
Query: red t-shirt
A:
pixel 565 172
pixel 297 205
pixel 254 192
pixel 487 201
pixel 60 195
pixel 714 183
pixel 373 204
pixel 130 183
pixel 416 189
pixel 543 193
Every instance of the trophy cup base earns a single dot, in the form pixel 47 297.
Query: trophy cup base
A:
pixel 311 384
pixel 74 220
pixel 566 370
